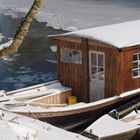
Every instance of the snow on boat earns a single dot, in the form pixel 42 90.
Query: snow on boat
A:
pixel 122 123
pixel 18 127
pixel 57 111
pixel 32 92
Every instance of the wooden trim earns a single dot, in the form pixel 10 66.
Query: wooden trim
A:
pixel 101 44
pixel 59 98
pixel 92 87
pixel 34 87
pixel 85 69
pixel 94 107
pixel 135 47
pixel 74 39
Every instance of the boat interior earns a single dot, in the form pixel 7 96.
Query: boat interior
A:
pixel 51 93
pixel 128 113
pixel 121 123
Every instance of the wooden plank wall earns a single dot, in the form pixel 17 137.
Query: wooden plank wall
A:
pixel 118 68
pixel 111 66
pixel 59 98
pixel 71 75
pixel 76 76
pixel 126 81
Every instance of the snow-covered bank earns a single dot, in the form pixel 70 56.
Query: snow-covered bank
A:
pixel 80 13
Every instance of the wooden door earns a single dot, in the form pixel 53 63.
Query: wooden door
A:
pixel 97 75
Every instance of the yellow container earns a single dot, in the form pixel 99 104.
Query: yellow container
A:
pixel 72 100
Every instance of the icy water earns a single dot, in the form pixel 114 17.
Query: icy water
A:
pixel 34 63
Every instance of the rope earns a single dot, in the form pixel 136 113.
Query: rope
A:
pixel 33 115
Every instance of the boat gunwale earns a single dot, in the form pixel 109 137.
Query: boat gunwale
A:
pixel 88 107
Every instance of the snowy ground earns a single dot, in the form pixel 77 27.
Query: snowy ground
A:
pixel 79 13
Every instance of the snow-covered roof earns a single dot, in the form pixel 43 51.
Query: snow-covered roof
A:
pixel 120 35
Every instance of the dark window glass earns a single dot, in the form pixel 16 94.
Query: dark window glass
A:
pixel 135 57
pixel 135 65
pixel 93 59
pixel 135 73
pixel 139 56
pixel 100 60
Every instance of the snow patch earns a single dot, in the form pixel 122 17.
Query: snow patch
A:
pixel 19 85
pixel 5 45
pixel 17 127
pixel 71 29
pixel 10 80
pixel 52 61
pixel 53 48
pixel 23 131
pixel 1 37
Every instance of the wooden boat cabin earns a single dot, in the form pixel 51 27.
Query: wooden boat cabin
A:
pixel 100 62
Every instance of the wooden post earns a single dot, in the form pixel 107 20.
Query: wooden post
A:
pixel 85 70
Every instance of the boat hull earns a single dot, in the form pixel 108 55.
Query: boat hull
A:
pixel 76 120
pixel 122 123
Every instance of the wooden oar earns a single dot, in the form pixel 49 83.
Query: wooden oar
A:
pixel 18 104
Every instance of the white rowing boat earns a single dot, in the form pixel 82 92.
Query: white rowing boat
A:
pixel 18 127
pixel 122 123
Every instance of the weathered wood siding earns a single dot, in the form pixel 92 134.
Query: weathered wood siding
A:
pixel 111 66
pixel 76 76
pixel 59 98
pixel 118 67
pixel 72 75
pixel 126 80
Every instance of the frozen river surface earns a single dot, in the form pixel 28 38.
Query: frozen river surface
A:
pixel 35 62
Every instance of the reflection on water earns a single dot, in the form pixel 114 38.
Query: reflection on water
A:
pixel 34 63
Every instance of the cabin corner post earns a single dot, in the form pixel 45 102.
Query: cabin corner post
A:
pixel 58 59
pixel 124 72
pixel 85 70
pixel 120 77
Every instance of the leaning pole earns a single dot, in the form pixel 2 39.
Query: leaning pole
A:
pixel 22 29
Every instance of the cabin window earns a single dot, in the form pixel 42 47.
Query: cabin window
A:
pixel 136 65
pixel 97 65
pixel 71 56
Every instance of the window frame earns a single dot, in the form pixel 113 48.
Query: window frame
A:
pixel 70 59
pixel 138 65
pixel 97 66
